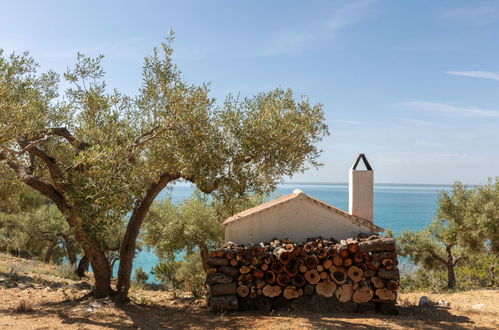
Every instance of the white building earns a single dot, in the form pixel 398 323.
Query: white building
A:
pixel 298 216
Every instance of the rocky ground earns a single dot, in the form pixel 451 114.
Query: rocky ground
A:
pixel 35 296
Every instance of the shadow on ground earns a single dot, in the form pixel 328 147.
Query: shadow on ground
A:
pixel 156 316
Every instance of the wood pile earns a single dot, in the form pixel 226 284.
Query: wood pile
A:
pixel 319 275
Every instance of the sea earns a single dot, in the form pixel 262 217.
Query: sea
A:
pixel 396 206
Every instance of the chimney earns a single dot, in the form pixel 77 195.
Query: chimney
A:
pixel 360 188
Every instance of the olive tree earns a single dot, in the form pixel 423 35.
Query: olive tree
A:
pixel 101 156
pixel 466 225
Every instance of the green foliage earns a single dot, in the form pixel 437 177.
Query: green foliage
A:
pixel 98 154
pixel 465 227
pixel 140 276
pixel 185 275
pixel 190 225
pixel 478 272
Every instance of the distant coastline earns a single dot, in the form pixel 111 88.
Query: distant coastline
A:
pixel 376 184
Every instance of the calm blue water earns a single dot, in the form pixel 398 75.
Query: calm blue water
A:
pixel 397 207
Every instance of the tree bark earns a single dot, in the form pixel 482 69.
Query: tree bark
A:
pixel 82 267
pixel 451 276
pixel 203 251
pixel 50 251
pixel 102 272
pixel 127 251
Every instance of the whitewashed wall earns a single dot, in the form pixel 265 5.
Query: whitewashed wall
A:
pixel 297 219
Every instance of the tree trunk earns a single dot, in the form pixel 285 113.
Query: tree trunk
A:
pixel 127 251
pixel 451 276
pixel 50 250
pixel 82 267
pixel 102 272
pixel 203 251
pixel 70 249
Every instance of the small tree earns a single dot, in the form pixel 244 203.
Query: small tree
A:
pixel 465 224
pixel 102 157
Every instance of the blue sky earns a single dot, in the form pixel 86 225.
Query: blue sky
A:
pixel 413 84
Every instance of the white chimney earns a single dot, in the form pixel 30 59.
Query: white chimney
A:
pixel 360 188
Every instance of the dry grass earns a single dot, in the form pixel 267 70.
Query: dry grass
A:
pixel 57 306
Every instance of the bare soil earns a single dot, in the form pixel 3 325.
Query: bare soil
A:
pixel 32 296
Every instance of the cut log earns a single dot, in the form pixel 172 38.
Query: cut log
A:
pixel 211 271
pixel 388 263
pixel 358 258
pixel 347 262
pixel 326 288
pixel 344 293
pixel 321 252
pixel 337 260
pixel 289 247
pixel 327 263
pixel 298 280
pixel 363 295
pixel 244 270
pixel 282 255
pixel 303 268
pixel 312 276
pixel 344 252
pixel 283 279
pixel 311 262
pixel 270 277
pixel 231 271
pixel 319 268
pixel 272 291
pixel 258 273
pixel 259 284
pixel 389 274
pixel 355 273
pixel 339 275
pixel 217 262
pixel 392 285
pixel 220 253
pixel 223 289
pixel 276 267
pixel 233 262
pixel 385 294
pixel 291 292
pixel 352 246
pixel 291 269
pixel 369 273
pixel 264 267
pixel 223 303
pixel 243 291
pixel 379 256
pixel 377 282
pixel 218 278
pixel 379 244
pixel 323 275
pixel 213 254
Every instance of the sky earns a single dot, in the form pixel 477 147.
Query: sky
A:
pixel 412 84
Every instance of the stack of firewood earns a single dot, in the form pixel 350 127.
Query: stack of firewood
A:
pixel 319 275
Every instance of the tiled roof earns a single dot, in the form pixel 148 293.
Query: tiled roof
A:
pixel 295 195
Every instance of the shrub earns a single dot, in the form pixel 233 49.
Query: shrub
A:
pixel 140 276
pixel 185 275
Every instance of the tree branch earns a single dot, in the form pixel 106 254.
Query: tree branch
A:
pixel 55 172
pixel 36 183
pixel 456 260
